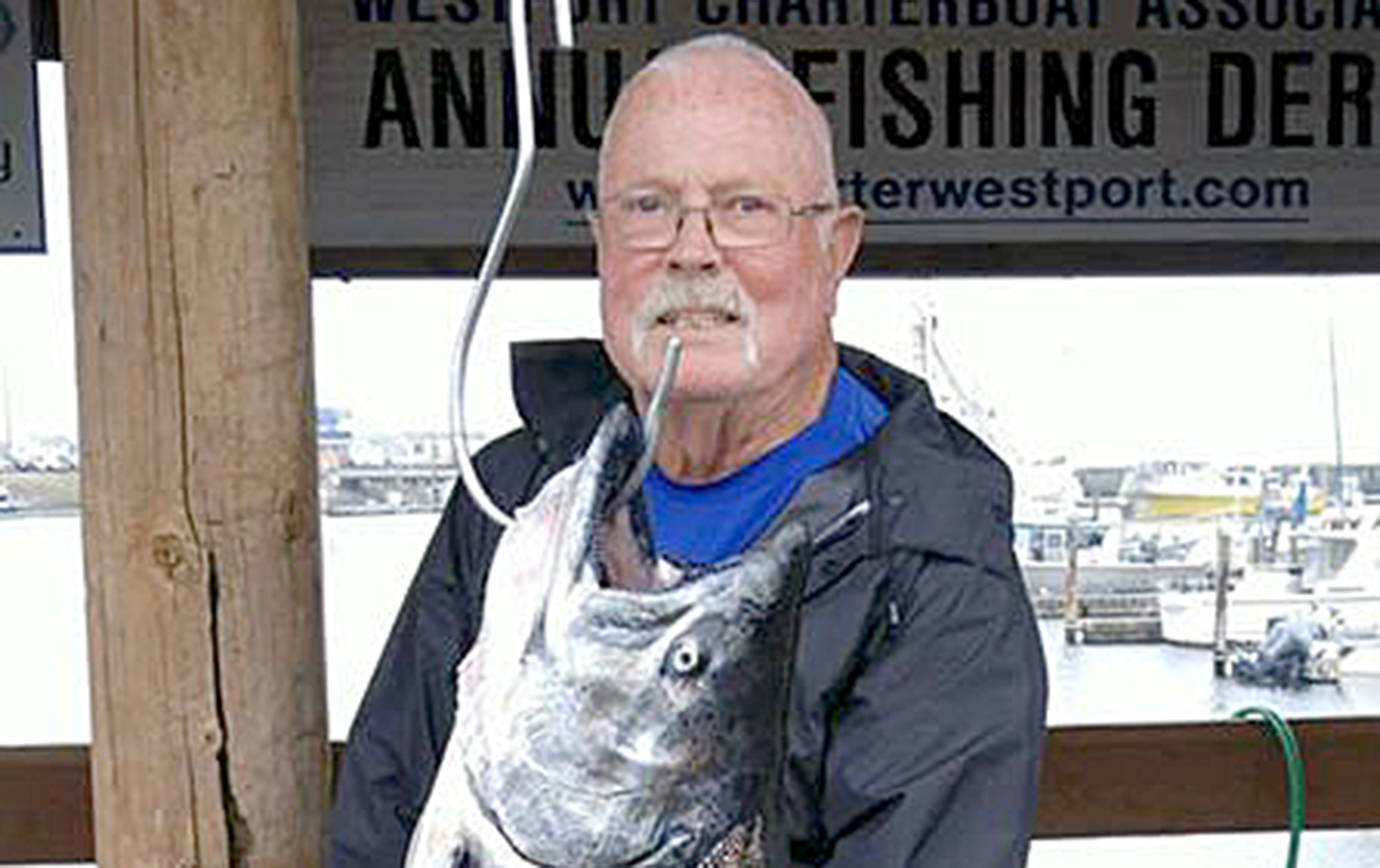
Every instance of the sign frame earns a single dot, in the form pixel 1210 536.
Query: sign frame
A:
pixel 23 227
pixel 875 260
pixel 398 144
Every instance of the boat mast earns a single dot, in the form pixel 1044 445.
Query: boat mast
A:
pixel 946 388
pixel 1336 420
pixel 5 398
pixel 925 323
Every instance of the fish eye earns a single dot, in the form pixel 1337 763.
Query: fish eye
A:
pixel 686 658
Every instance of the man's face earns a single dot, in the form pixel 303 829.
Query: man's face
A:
pixel 752 319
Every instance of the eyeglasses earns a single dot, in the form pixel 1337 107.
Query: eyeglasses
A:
pixel 651 220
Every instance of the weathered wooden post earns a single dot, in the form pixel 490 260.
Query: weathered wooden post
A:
pixel 1219 623
pixel 199 496
pixel 1073 633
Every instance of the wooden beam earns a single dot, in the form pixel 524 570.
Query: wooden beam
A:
pixel 1097 781
pixel 1130 780
pixel 45 805
pixel 906 260
pixel 200 520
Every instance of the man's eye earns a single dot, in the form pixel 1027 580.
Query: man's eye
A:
pixel 649 203
pixel 748 204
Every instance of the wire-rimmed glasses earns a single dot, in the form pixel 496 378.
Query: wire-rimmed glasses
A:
pixel 651 219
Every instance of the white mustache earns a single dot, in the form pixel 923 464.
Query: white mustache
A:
pixel 677 293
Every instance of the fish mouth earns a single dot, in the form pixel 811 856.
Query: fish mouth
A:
pixel 611 526
pixel 614 528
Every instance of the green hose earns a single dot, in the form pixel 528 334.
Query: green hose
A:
pixel 1293 761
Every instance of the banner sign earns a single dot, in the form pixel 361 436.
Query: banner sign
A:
pixel 21 183
pixel 955 121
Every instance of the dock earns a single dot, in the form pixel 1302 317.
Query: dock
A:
pixel 1108 618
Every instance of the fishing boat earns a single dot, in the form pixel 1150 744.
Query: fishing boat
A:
pixel 1340 574
pixel 1192 489
pixel 1114 557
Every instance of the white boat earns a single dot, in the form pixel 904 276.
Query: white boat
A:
pixel 1191 489
pixel 1342 574
pixel 1114 556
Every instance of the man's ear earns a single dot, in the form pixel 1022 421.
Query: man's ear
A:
pixel 844 239
pixel 845 236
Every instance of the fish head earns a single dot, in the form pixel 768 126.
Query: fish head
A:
pixel 646 718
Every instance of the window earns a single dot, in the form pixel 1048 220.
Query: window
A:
pixel 1160 441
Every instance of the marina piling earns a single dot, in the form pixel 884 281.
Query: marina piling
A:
pixel 1072 627
pixel 1219 624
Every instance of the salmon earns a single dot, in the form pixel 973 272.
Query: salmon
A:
pixel 615 709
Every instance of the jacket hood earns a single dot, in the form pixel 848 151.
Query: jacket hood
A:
pixel 941 489
pixel 564 387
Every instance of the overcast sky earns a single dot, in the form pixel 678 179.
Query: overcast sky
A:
pixel 1098 369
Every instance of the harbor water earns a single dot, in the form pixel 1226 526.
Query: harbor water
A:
pixel 368 561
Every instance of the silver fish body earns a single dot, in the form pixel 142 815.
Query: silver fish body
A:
pixel 614 711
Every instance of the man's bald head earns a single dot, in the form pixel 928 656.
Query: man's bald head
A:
pixel 733 61
pixel 715 140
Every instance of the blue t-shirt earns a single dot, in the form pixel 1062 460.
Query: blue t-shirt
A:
pixel 702 524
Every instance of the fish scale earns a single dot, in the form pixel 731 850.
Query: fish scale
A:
pixel 743 848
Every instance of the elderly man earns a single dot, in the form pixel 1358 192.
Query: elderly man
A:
pixel 918 696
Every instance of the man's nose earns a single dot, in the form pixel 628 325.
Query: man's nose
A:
pixel 693 249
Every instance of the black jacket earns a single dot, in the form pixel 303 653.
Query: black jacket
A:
pixel 918 702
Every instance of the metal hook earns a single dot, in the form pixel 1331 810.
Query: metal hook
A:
pixel 493 255
pixel 565 35
pixel 651 426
